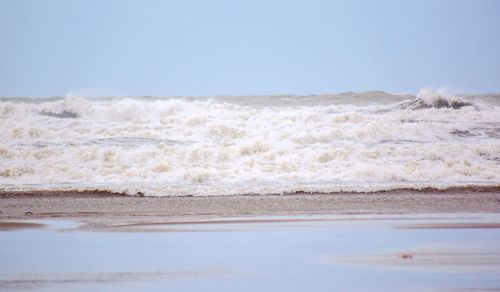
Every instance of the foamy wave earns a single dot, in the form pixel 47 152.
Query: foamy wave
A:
pixel 180 146
pixel 427 98
pixel 162 190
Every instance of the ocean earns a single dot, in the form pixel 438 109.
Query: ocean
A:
pixel 238 145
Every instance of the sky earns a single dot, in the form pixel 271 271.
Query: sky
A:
pixel 216 47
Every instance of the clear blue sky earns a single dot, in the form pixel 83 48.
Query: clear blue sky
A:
pixel 213 47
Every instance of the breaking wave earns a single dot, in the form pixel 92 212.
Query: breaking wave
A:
pixel 435 99
pixel 355 142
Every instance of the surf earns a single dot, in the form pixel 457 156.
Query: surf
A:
pixel 350 142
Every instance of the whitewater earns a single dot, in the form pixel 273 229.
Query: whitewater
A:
pixel 230 145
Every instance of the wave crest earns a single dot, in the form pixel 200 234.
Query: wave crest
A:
pixel 440 98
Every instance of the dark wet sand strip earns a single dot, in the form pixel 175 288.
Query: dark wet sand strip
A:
pixel 105 211
pixel 98 204
pixel 8 226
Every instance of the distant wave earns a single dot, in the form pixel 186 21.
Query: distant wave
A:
pixel 433 99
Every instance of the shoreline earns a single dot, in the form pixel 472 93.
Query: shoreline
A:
pixel 428 239
pixel 108 193
pixel 70 204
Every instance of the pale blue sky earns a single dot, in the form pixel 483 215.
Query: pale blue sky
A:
pixel 188 47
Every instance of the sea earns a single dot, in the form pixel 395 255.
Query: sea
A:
pixel 250 145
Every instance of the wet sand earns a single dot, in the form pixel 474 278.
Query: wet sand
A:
pixel 103 210
pixel 429 240
pixel 462 261
pixel 8 226
pixel 40 281
pixel 107 205
pixel 353 252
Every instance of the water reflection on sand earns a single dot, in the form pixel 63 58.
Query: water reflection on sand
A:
pixel 293 253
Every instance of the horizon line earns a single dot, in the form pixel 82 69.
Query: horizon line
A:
pixel 240 95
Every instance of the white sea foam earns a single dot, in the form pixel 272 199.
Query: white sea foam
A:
pixel 241 145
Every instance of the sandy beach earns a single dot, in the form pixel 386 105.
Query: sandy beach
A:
pixel 24 205
pixel 399 241
pixel 429 240
pixel 249 146
pixel 104 209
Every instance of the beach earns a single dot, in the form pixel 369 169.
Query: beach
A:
pixel 364 191
pixel 400 240
pixel 249 146
pixel 72 204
